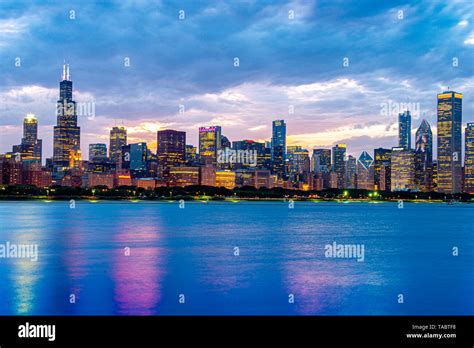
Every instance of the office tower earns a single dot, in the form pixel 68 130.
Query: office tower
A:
pixel 321 161
pixel 226 179
pixel 278 153
pixel 225 142
pixel 253 146
pixel 171 148
pixel 382 164
pixel 118 138
pixel 298 163
pixel 75 157
pixel 338 163
pixel 138 160
pixel 365 172
pixel 66 132
pixel 97 152
pixel 404 130
pixel 191 155
pixel 469 159
pixel 209 143
pixel 30 147
pixel 183 176
pixel 449 142
pixel 424 158
pixel 351 171
pixel 402 169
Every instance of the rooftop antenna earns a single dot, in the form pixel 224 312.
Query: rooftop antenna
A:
pixel 63 77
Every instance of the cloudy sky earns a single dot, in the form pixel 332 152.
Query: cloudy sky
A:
pixel 335 71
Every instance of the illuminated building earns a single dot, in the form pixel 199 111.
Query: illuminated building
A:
pixel 249 145
pixel 30 147
pixel 365 172
pixel 351 172
pixel 469 159
pixel 100 179
pixel 244 177
pixel 278 147
pixel 382 163
pixel 191 155
pixel 207 175
pixel 146 183
pixel 97 152
pixel 404 130
pixel 449 142
pixel 66 132
pixel 11 169
pixel 171 148
pixel 75 157
pixel 123 178
pixel 209 143
pixel 321 161
pixel 263 178
pixel 225 178
pixel 338 164
pixel 333 180
pixel 298 163
pixel 402 169
pixel 118 139
pixel 138 160
pixel 184 176
pixel 424 158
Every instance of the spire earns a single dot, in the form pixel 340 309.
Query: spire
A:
pixel 68 75
pixel 63 77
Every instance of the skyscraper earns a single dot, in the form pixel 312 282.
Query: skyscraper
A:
pixel 30 147
pixel 351 172
pixel 209 143
pixel 404 130
pixel 339 164
pixel 278 147
pixel 97 152
pixel 365 172
pixel 321 161
pixel 118 138
pixel 67 135
pixel 171 148
pixel 298 163
pixel 138 158
pixel 449 142
pixel 469 159
pixel 402 169
pixel 382 167
pixel 424 157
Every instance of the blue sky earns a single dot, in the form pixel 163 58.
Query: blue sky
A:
pixel 291 67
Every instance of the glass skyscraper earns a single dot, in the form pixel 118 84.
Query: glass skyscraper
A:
pixel 365 172
pixel 30 147
pixel 402 169
pixel 469 159
pixel 424 157
pixel 171 147
pixel 339 164
pixel 351 172
pixel 404 130
pixel 278 154
pixel 449 142
pixel 382 167
pixel 66 133
pixel 118 138
pixel 97 152
pixel 209 144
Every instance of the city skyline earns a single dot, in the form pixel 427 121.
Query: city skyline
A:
pixel 304 80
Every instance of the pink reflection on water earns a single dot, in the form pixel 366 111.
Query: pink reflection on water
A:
pixel 137 277
pixel 313 283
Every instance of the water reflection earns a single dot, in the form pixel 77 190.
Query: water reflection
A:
pixel 136 272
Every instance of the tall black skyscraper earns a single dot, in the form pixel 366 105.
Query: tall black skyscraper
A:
pixel 404 130
pixel 424 157
pixel 66 134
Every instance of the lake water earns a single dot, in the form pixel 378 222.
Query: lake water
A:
pixel 237 258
